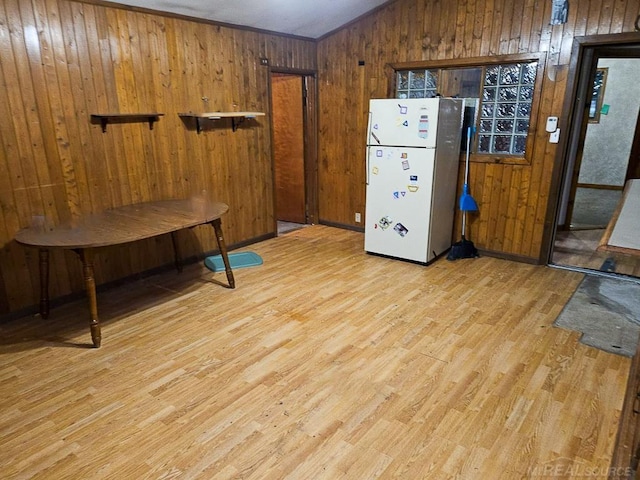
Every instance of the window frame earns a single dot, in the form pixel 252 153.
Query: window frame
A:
pixel 393 68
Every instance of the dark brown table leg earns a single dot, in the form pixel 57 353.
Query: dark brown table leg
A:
pixel 44 283
pixel 86 256
pixel 176 251
pixel 217 226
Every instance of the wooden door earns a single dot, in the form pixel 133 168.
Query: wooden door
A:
pixel 288 146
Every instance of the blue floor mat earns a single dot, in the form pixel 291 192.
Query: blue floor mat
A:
pixel 237 260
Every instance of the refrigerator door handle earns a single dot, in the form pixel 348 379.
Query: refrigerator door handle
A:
pixel 368 149
pixel 367 165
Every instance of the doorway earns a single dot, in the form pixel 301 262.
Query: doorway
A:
pixel 602 153
pixel 294 161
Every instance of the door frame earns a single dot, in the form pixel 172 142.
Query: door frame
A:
pixel 633 168
pixel 584 54
pixel 310 134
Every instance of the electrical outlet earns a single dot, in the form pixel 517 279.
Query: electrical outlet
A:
pixel 358 217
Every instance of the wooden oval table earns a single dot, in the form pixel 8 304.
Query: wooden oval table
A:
pixel 117 226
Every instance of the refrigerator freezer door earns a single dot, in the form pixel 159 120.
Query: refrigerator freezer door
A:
pixel 409 122
pixel 399 202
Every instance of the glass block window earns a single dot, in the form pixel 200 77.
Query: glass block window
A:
pixel 498 101
pixel 417 84
pixel 507 94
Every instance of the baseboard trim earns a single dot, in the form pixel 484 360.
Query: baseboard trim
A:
pixel 510 256
pixel 344 226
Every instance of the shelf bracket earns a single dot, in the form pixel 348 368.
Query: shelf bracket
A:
pixel 236 122
pixel 199 127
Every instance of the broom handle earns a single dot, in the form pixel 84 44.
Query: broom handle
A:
pixel 466 163
pixel 464 222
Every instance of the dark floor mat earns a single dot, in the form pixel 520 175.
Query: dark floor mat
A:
pixel 607 313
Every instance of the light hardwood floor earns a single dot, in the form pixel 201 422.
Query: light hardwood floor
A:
pixel 323 363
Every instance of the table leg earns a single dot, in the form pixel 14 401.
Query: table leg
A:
pixel 86 256
pixel 176 252
pixel 217 226
pixel 44 283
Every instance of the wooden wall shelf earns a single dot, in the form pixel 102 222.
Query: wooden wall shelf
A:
pixel 236 117
pixel 105 118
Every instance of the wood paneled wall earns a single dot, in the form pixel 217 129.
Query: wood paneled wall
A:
pixel 63 60
pixel 513 199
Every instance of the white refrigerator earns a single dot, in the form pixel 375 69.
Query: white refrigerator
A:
pixel 413 152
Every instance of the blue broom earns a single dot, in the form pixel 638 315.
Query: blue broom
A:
pixel 467 203
pixel 465 248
